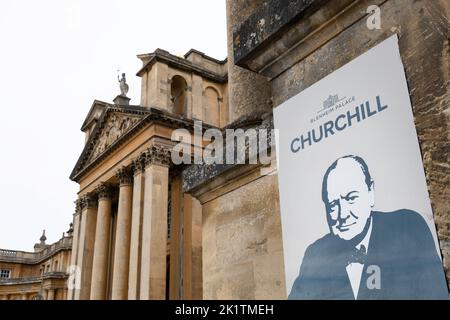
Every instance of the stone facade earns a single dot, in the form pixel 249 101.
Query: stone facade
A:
pixel 137 233
pixel 149 229
pixel 39 275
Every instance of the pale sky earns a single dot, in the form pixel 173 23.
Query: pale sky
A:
pixel 56 57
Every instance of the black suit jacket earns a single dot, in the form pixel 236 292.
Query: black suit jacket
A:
pixel 400 244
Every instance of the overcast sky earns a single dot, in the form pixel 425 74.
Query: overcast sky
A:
pixel 56 57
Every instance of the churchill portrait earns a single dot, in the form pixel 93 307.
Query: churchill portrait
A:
pixel 367 254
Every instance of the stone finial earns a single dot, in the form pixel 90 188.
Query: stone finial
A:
pixel 41 245
pixel 43 237
pixel 70 231
pixel 125 176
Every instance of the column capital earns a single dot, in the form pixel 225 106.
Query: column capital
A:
pixel 78 205
pixel 104 191
pixel 157 154
pixel 139 164
pixel 125 176
pixel 88 201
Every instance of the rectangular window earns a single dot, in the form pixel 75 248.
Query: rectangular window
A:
pixel 5 274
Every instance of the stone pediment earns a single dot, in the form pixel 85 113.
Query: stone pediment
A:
pixel 114 126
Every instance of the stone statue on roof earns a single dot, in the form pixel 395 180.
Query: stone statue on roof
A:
pixel 123 85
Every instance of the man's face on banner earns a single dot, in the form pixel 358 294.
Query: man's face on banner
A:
pixel 350 200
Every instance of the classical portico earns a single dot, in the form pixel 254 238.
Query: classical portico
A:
pixel 122 231
pixel 130 192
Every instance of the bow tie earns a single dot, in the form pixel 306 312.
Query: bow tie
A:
pixel 358 255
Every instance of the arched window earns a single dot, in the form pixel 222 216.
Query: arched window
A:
pixel 178 88
pixel 211 107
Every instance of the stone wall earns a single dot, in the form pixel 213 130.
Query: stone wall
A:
pixel 242 247
pixel 248 91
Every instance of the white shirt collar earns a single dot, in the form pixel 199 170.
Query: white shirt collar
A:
pixel 355 270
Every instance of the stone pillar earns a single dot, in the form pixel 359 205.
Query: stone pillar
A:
pixel 144 89
pixel 51 294
pixel 242 84
pixel 102 241
pixel 154 225
pixel 176 239
pixel 74 251
pixel 196 110
pixel 157 88
pixel 192 272
pixel 122 244
pixel 86 245
pixel 24 296
pixel 134 274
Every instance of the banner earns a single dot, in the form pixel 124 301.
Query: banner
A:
pixel 356 216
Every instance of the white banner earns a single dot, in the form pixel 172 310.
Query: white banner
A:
pixel 356 216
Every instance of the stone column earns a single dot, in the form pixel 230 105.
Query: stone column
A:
pixel 74 251
pixel 134 274
pixel 51 294
pixel 192 272
pixel 102 242
pixel 86 245
pixel 122 245
pixel 176 253
pixel 154 225
pixel 24 296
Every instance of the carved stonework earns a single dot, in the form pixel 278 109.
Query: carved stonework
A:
pixel 115 127
pixel 78 204
pixel 88 201
pixel 104 191
pixel 157 154
pixel 139 164
pixel 125 176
